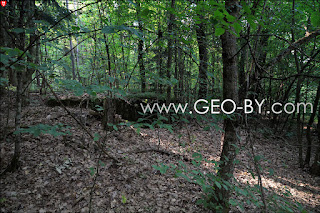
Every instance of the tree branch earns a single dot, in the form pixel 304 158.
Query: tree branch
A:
pixel 294 45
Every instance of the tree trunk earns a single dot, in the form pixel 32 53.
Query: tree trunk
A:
pixel 242 72
pixel 309 139
pixel 230 91
pixel 298 88
pixel 77 48
pixel 38 61
pixel 107 48
pixel 14 164
pixel 71 51
pixel 109 112
pixel 181 75
pixel 170 43
pixel 203 57
pixel 31 58
pixel 140 53
pixel 176 73
pixel 159 61
pixel 315 168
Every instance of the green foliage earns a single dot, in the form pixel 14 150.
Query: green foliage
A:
pixel 92 171
pixel 315 19
pixel 117 28
pixel 113 126
pixel 96 137
pixel 123 199
pixel 209 182
pixel 3 82
pixel 219 31
pixel 55 130
pixel 146 95
pixel 162 168
pixel 71 85
pixel 78 89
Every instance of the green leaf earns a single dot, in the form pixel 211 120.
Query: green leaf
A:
pixel 92 171
pixel 271 171
pixel 101 163
pixel 75 28
pixel 218 184
pixel 230 18
pixel 233 202
pixel 251 20
pixel 96 137
pixel 197 156
pixel 246 8
pixel 116 28
pixel 123 199
pixel 206 128
pixel 252 174
pixel 218 15
pixel 185 177
pixel 146 12
pixel 219 31
pixel 257 158
pixel 39 129
pixel 3 81
pixel 108 29
pixel 237 27
pixel 18 30
pixel 315 19
pixel 162 168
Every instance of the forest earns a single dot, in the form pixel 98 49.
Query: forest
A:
pixel 160 106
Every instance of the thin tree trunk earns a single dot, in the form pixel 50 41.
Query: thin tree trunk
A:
pixel 77 48
pixel 315 168
pixel 161 74
pixel 203 57
pixel 181 75
pixel 14 164
pixel 298 89
pixel 230 91
pixel 37 61
pixel 71 51
pixel 311 120
pixel 242 72
pixel 170 43
pixel 176 73
pixel 106 46
pixel 109 103
pixel 140 53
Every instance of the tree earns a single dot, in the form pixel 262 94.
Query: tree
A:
pixel 203 54
pixel 72 58
pixel 140 52
pixel 315 168
pixel 170 50
pixel 230 91
pixel 311 120
pixel 22 75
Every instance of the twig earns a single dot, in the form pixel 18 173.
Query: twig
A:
pixel 161 152
pixel 34 41
pixel 94 183
pixel 82 126
pixel 258 172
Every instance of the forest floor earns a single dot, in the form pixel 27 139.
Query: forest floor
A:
pixel 56 173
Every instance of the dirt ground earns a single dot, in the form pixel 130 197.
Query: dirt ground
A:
pixel 58 174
